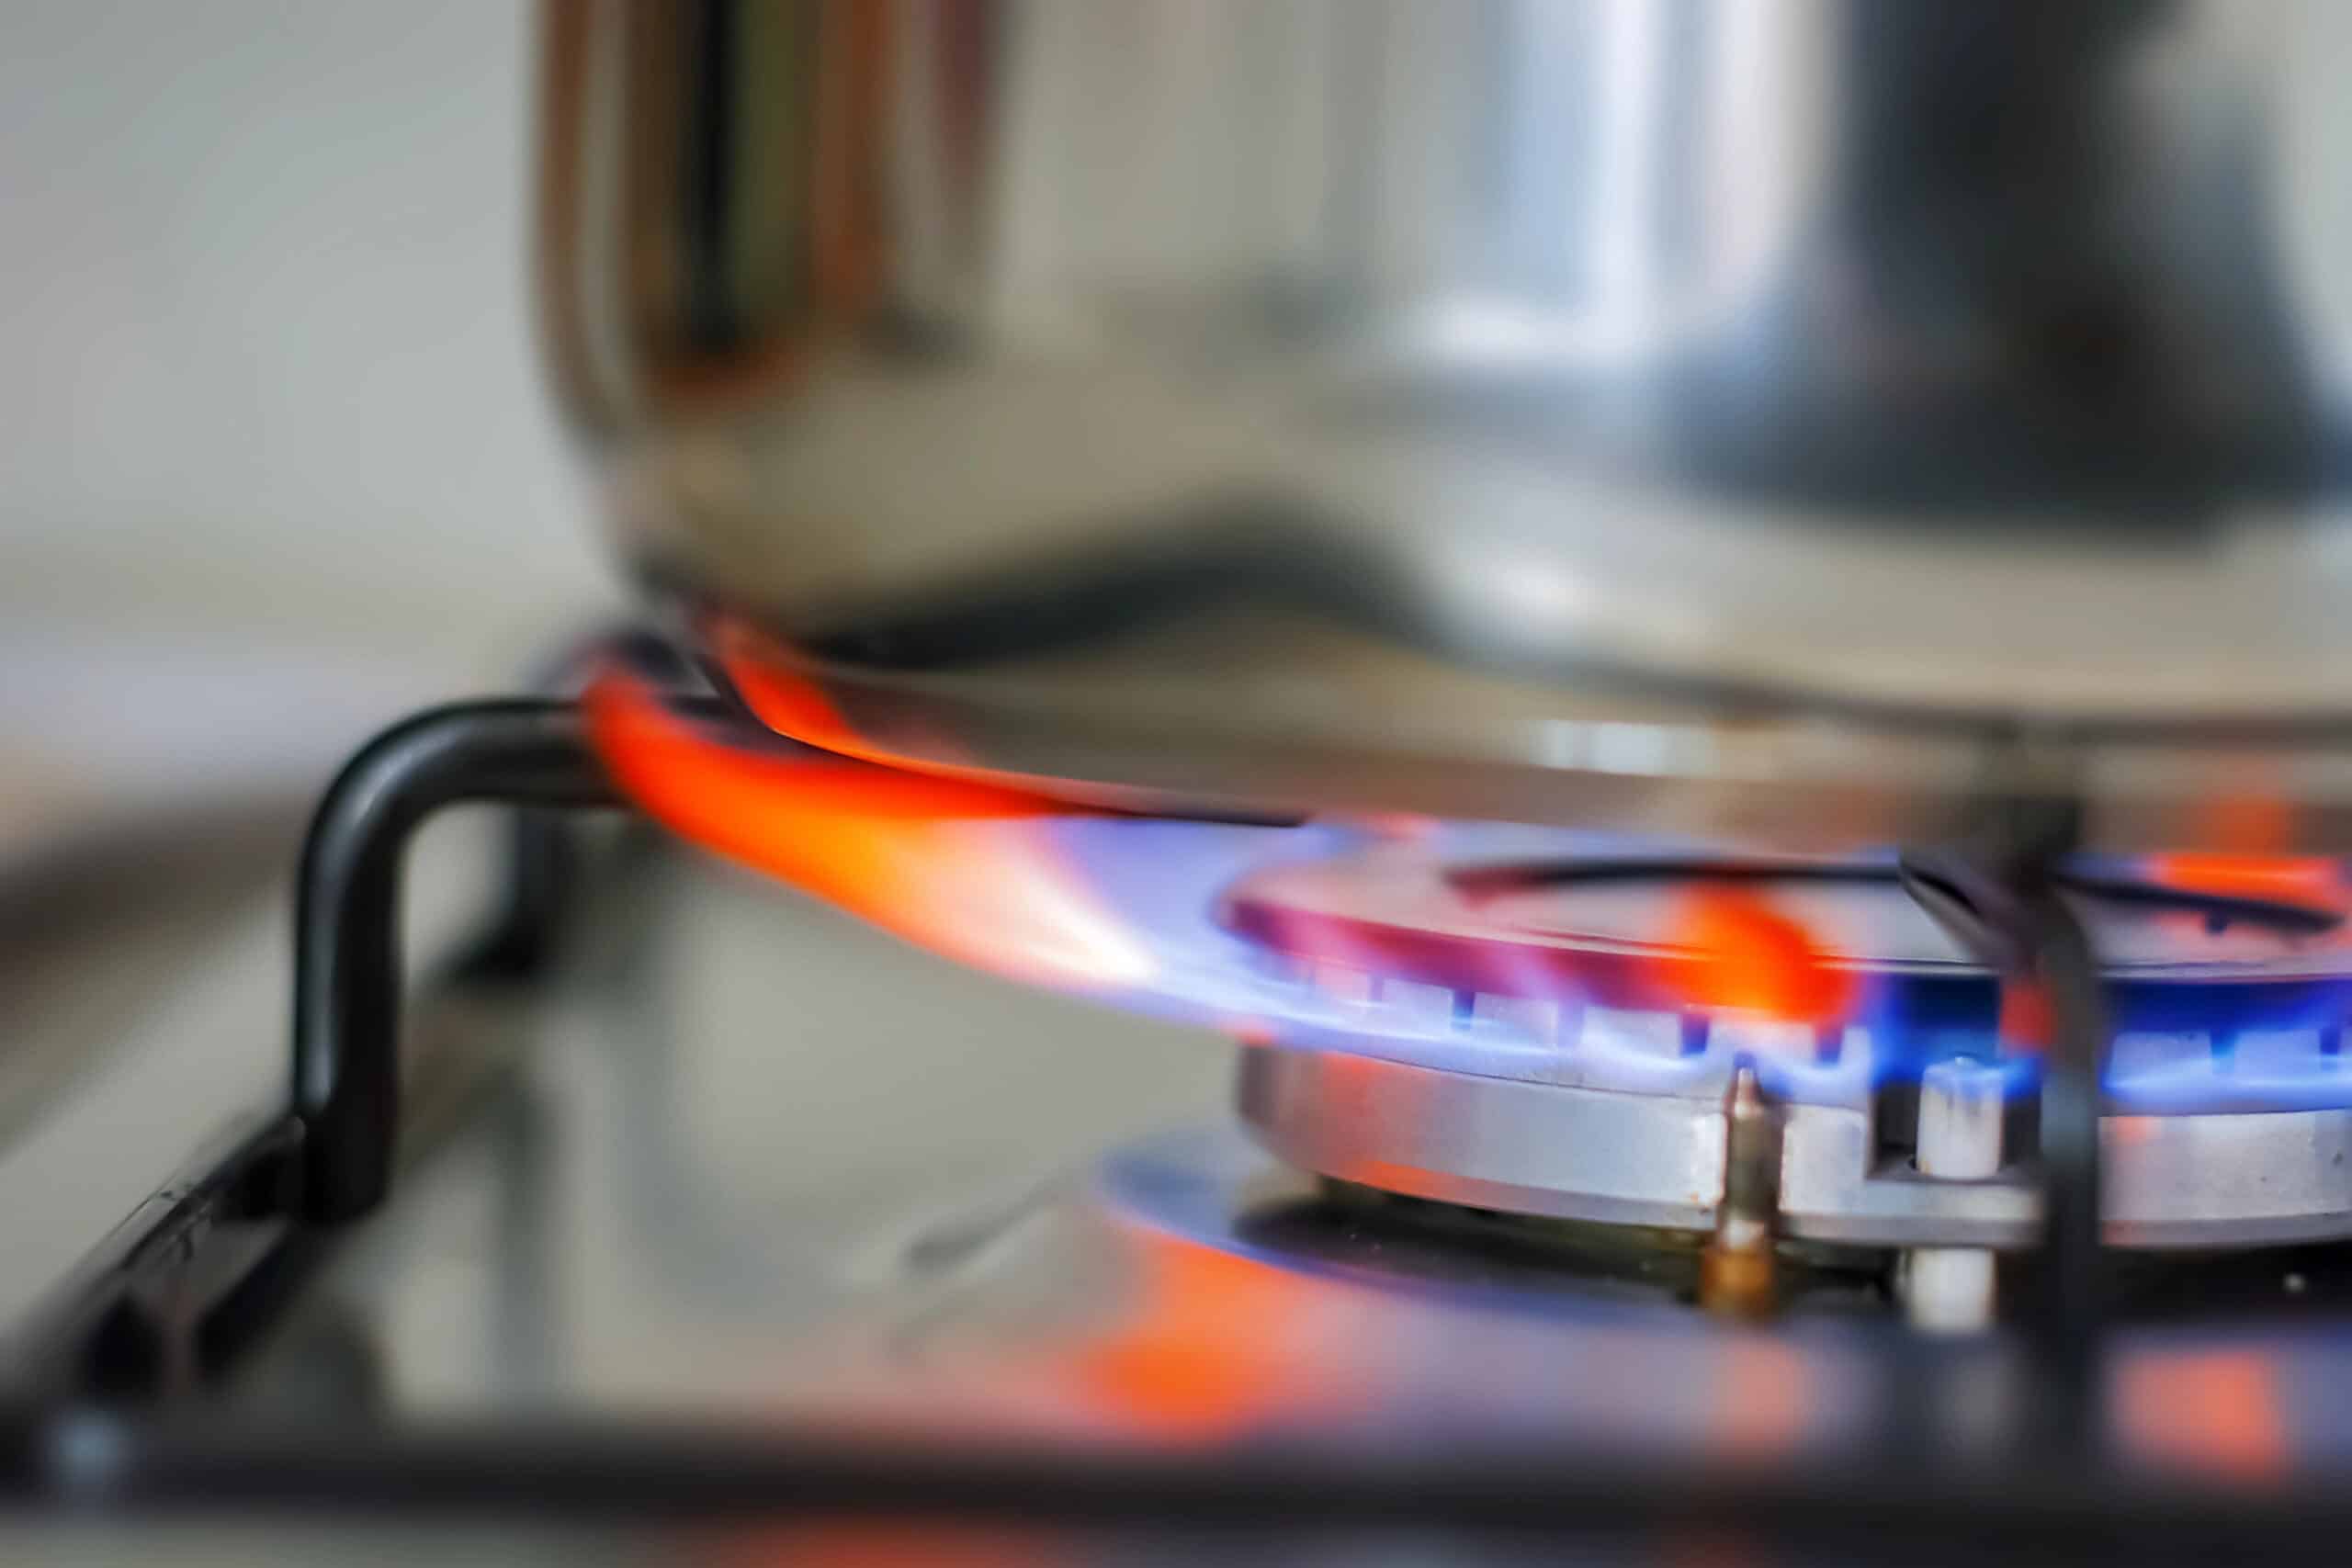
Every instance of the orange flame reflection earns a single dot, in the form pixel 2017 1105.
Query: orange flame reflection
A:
pixel 1736 953
pixel 962 868
pixel 2220 1411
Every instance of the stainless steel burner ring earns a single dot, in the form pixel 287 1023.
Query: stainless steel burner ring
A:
pixel 2235 1179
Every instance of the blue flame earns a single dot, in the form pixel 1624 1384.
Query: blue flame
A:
pixel 2201 1039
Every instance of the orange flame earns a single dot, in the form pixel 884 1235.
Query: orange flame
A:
pixel 2291 878
pixel 786 704
pixel 1739 954
pixel 2025 1022
pixel 961 868
pixel 2246 834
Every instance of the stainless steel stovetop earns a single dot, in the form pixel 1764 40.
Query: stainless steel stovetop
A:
pixel 744 1158
pixel 741 1208
pixel 736 1131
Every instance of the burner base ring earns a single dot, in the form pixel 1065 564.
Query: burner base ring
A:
pixel 2212 1180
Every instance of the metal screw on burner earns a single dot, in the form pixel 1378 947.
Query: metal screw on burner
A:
pixel 1735 1269
pixel 1949 1290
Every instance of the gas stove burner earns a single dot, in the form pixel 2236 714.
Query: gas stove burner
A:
pixel 1655 973
pixel 1532 1019
pixel 1556 1037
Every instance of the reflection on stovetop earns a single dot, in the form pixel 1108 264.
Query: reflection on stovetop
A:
pixel 755 1162
pixel 726 1123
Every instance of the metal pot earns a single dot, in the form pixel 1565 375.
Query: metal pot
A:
pixel 1782 418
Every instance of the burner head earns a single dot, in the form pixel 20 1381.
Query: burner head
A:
pixel 1556 1036
pixel 1652 971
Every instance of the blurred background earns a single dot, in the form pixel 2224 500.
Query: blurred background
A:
pixel 274 458
pixel 275 465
